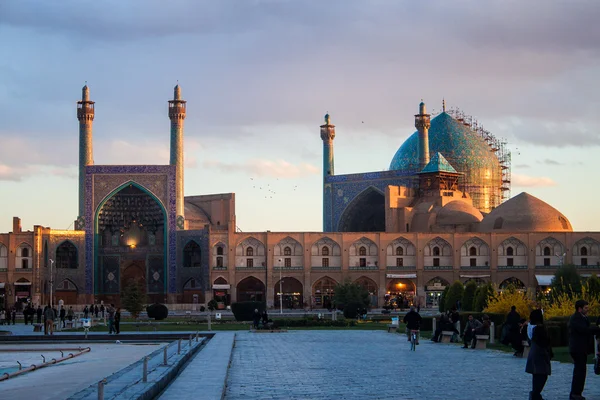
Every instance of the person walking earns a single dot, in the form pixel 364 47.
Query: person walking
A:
pixel 85 312
pixel 540 354
pixel 39 314
pixel 63 315
pixel 110 310
pixel 49 316
pixel 118 320
pixel 96 310
pixel 581 343
pixel 13 314
pixel 70 314
pixel 102 310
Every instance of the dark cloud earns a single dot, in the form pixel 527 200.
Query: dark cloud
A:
pixel 548 161
pixel 525 70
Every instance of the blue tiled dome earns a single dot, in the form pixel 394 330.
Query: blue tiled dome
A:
pixel 466 151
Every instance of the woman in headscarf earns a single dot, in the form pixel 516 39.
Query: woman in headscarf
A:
pixel 538 361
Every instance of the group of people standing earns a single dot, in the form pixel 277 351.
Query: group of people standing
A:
pixel 581 344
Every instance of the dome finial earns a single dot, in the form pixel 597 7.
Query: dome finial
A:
pixel 422 108
pixel 443 105
pixel 177 92
pixel 327 119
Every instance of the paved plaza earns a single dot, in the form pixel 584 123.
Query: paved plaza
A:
pixel 378 365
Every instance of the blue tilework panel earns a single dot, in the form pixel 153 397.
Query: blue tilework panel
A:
pixel 114 176
pixel 344 191
pixel 199 274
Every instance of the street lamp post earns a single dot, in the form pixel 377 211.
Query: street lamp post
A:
pixel 51 280
pixel 280 289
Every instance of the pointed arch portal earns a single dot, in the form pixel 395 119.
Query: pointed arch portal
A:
pixel 130 244
pixel 366 213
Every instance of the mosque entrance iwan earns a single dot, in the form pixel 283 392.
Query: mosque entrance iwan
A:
pixel 366 213
pixel 130 245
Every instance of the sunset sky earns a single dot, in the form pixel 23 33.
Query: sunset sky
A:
pixel 259 76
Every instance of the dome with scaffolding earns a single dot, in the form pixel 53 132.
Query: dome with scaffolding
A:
pixel 482 160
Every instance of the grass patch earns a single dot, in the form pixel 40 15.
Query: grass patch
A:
pixel 561 354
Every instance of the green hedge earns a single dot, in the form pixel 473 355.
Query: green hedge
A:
pixel 244 310
pixel 312 321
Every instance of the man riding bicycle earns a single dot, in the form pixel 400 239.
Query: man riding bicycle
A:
pixel 412 319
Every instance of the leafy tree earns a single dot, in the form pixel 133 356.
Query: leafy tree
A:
pixel 469 296
pixel 454 294
pixel 133 298
pixel 441 305
pixel 482 296
pixel 347 292
pixel 593 285
pixel 566 280
pixel 212 305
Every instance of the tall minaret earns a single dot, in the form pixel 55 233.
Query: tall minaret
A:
pixel 422 123
pixel 177 115
pixel 327 135
pixel 85 115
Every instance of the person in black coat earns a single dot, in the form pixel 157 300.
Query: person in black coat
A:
pixel 581 343
pixel 412 319
pixel 538 361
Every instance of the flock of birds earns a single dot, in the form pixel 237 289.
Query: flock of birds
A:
pixel 268 188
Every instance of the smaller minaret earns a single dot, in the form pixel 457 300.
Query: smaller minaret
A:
pixel 422 123
pixel 177 113
pixel 85 115
pixel 327 135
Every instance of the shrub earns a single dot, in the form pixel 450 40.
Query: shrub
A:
pixel 157 311
pixel 564 303
pixel 244 310
pixel 469 296
pixel 482 295
pixel 502 302
pixel 133 298
pixel 566 280
pixel 202 309
pixel 454 294
pixel 347 293
pixel 212 305
pixel 352 309
pixel 441 305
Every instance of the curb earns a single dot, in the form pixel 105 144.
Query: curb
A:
pixel 224 392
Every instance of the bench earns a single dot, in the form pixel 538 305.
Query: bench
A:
pixel 482 340
pixel 526 348
pixel 446 336
pixel 38 327
pixel 392 328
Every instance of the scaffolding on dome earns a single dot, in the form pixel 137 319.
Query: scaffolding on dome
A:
pixel 499 146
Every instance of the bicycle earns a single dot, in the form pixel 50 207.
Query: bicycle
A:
pixel 414 334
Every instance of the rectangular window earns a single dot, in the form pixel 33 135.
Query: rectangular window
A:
pixel 219 262
pixel 546 262
pixel 436 262
pixel 287 262
pixel 325 262
pixel 250 263
pixel 473 262
pixel 362 262
pixel 510 262
pixel 584 261
pixel 399 262
pixel 25 263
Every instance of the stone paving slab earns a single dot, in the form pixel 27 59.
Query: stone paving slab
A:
pixel 204 377
pixel 378 365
